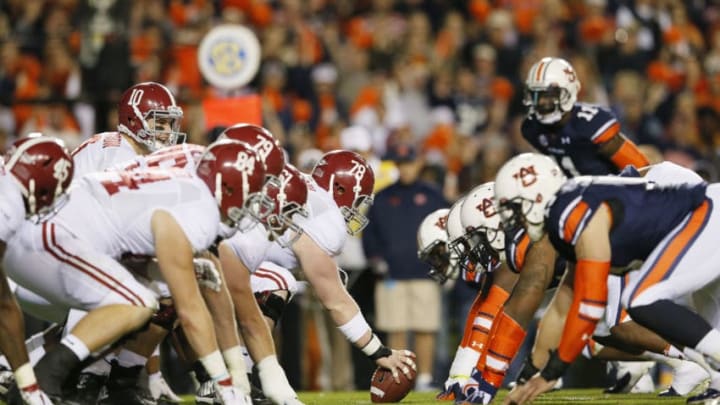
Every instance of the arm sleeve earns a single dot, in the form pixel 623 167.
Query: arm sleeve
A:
pixel 587 308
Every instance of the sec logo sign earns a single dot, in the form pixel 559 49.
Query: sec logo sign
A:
pixel 229 56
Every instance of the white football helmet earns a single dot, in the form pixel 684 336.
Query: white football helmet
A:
pixel 524 187
pixel 482 224
pixel 432 241
pixel 551 89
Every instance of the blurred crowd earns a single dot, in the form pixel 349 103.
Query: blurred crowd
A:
pixel 444 75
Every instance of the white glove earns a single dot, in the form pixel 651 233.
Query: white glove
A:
pixel 160 390
pixel 35 397
pixel 207 275
pixel 230 395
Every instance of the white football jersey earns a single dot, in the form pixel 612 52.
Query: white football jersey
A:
pixel 100 152
pixel 250 246
pixel 177 156
pixel 668 173
pixel 113 210
pixel 12 207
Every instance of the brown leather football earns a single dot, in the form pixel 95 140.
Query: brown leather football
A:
pixel 384 389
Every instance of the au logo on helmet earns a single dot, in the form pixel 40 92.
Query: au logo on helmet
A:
pixel 229 56
pixel 487 207
pixel 442 222
pixel 526 176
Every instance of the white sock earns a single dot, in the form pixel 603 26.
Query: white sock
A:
pixel 77 346
pixel 99 367
pixel 710 345
pixel 672 362
pixel 249 363
pixel 127 359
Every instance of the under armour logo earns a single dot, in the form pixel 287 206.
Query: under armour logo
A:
pixel 477 345
pixel 565 140
pixel 526 176
pixel 442 222
pixel 487 207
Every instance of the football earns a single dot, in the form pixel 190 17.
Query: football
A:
pixel 384 389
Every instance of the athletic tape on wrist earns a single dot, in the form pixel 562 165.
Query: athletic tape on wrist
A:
pixel 355 328
pixel 25 376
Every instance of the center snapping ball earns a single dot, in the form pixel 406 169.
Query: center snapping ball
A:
pixel 384 389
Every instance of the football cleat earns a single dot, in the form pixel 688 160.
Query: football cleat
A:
pixel 122 387
pixel 205 394
pixel 476 392
pixel 87 390
pixel 710 396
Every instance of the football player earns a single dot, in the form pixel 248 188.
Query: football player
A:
pixel 33 185
pixel 340 187
pixel 583 138
pixel 163 213
pixel 522 271
pixel 671 228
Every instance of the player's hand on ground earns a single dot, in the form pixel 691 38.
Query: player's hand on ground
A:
pixel 159 389
pixel 400 361
pixel 529 391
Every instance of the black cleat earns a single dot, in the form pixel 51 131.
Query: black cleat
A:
pixel 710 396
pixel 670 392
pixel 54 368
pixel 122 388
pixel 87 389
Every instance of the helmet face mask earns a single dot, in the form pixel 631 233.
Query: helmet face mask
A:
pixel 162 128
pixel 289 199
pixel 438 257
pixel 355 216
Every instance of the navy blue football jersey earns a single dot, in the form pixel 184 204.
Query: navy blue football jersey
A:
pixel 575 144
pixel 517 246
pixel 643 213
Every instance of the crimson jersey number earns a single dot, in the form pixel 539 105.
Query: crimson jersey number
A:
pixel 132 180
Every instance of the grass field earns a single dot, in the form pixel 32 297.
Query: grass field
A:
pixel 582 396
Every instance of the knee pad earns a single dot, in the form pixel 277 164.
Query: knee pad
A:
pixel 272 305
pixel 165 317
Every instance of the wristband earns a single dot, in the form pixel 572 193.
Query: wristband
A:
pixel 355 328
pixel 528 370
pixel 555 367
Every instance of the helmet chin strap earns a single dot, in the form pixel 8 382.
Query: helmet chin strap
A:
pixel 32 202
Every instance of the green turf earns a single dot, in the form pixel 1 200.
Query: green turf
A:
pixel 583 396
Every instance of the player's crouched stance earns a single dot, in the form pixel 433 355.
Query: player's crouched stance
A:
pixel 606 222
pixel 168 214
pixel 32 185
